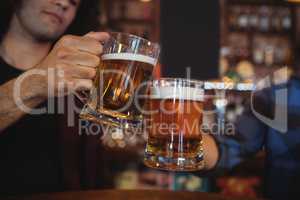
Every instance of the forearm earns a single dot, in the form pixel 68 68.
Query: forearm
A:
pixel 211 152
pixel 71 65
pixel 15 95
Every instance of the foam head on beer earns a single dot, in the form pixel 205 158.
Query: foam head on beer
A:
pixel 130 57
pixel 180 93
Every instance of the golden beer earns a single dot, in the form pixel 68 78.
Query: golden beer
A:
pixel 173 127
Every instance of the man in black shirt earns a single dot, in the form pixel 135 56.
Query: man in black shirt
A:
pixel 30 159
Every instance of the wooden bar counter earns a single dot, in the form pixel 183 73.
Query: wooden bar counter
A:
pixel 126 195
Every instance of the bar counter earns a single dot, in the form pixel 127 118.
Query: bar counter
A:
pixel 126 195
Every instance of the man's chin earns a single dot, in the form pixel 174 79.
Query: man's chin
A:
pixel 48 36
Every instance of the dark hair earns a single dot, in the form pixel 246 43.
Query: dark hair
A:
pixel 86 20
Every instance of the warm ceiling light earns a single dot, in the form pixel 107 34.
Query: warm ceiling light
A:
pixel 145 0
pixel 293 1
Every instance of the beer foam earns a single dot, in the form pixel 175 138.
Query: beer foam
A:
pixel 130 57
pixel 183 93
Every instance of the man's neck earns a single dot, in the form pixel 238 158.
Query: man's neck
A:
pixel 20 49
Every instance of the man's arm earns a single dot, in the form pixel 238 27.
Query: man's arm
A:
pixel 225 151
pixel 211 152
pixel 30 95
pixel 70 66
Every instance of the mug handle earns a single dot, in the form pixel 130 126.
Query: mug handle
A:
pixel 82 96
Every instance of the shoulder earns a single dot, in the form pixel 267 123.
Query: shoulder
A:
pixel 7 72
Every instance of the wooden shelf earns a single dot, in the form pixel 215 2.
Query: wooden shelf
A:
pixel 249 39
pixel 259 2
pixel 256 32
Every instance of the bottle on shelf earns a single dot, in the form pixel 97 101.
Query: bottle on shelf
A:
pixel 258 55
pixel 286 19
pixel 265 18
pixel 243 19
pixel 269 55
pixel 276 20
pixel 253 18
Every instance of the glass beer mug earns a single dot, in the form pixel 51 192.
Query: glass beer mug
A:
pixel 126 63
pixel 173 124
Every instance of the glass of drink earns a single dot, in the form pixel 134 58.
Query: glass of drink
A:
pixel 127 63
pixel 173 120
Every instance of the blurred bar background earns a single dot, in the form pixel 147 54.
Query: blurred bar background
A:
pixel 220 40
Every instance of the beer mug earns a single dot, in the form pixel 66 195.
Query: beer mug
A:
pixel 126 63
pixel 173 120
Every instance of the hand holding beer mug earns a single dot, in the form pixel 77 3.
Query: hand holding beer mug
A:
pixel 127 62
pixel 173 121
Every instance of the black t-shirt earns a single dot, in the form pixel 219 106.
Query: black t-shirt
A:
pixel 29 150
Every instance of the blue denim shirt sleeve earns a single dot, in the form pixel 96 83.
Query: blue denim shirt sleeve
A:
pixel 249 134
pixel 248 140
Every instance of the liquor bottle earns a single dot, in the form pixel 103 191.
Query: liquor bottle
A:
pixel 253 18
pixel 264 21
pixel 276 20
pixel 286 19
pixel 233 17
pixel 243 19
